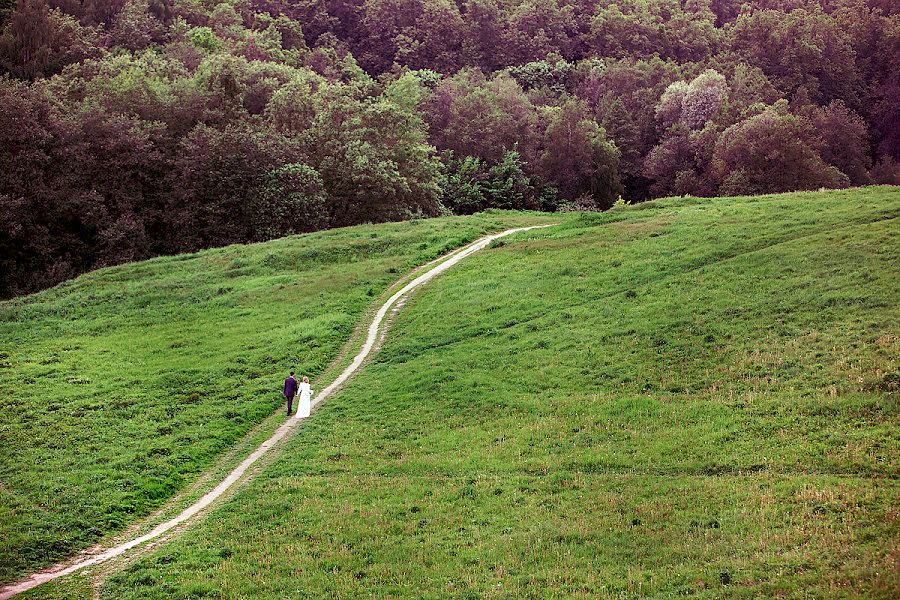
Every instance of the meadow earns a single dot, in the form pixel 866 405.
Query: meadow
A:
pixel 680 398
pixel 119 388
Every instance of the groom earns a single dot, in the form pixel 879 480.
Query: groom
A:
pixel 290 390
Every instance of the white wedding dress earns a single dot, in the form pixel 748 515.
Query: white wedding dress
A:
pixel 304 406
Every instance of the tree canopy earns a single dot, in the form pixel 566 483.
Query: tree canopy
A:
pixel 133 128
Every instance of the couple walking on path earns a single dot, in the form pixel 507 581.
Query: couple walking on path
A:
pixel 291 389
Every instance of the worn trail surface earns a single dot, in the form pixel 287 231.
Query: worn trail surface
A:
pixel 374 333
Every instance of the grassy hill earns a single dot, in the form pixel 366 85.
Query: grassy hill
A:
pixel 118 388
pixel 684 397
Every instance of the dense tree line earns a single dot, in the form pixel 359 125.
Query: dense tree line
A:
pixel 132 128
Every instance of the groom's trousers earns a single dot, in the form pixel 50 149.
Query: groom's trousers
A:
pixel 290 402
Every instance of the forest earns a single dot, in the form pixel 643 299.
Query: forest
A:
pixel 137 128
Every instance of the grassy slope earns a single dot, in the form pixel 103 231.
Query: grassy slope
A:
pixel 683 397
pixel 118 388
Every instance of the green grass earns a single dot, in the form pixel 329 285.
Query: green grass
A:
pixel 682 398
pixel 118 388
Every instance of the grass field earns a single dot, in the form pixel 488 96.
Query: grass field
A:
pixel 687 397
pixel 681 398
pixel 117 389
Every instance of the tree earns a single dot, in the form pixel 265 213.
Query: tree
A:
pixel 483 31
pixel 81 189
pixel 383 21
pixel 373 155
pixel 886 114
pixel 577 157
pixel 642 29
pixel 703 99
pixel 472 185
pixel 7 7
pixel 142 121
pixel 294 106
pixel 886 171
pixel 317 17
pixel 535 30
pixel 844 140
pixel 508 186
pixel 25 139
pixel 464 188
pixel 434 41
pixel 689 115
pixel 803 48
pixel 556 77
pixel 771 152
pixel 292 199
pixel 107 181
pixel 749 88
pixel 668 109
pixel 136 27
pixel 224 182
pixel 38 42
pixel 475 117
pixel 635 85
pixel 671 163
pixel 97 12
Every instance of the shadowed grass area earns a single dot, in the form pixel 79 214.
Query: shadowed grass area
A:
pixel 686 397
pixel 118 388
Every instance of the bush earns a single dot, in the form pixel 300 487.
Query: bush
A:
pixel 472 186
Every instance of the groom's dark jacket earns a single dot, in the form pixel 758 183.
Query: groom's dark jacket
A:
pixel 290 387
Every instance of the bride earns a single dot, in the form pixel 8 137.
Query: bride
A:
pixel 305 392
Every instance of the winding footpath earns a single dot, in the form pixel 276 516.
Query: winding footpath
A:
pixel 376 330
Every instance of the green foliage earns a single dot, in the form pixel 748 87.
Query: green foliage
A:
pixel 803 48
pixel 578 158
pixel 642 29
pixel 556 77
pixel 507 186
pixel 136 27
pixel 474 116
pixel 464 191
pixel 473 185
pixel 428 78
pixel 747 153
pixel 294 192
pixel 38 42
pixel 384 83
pixel 204 39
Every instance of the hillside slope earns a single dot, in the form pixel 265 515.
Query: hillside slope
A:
pixel 117 389
pixel 686 397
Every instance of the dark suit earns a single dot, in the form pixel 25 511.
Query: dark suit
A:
pixel 290 390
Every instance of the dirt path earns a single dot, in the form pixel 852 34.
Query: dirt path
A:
pixel 374 334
